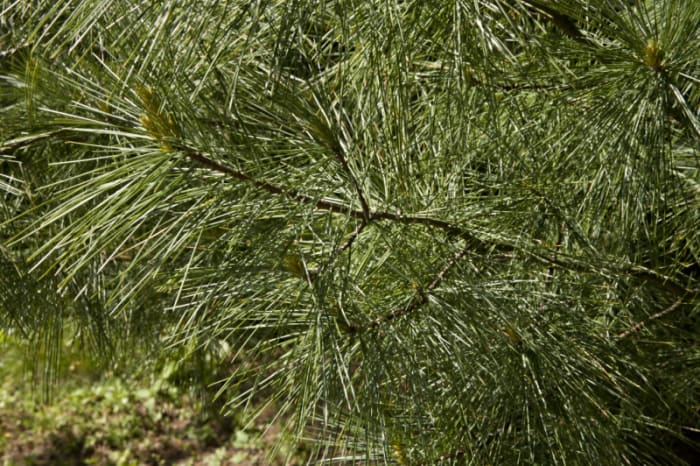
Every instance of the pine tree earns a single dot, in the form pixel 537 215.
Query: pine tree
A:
pixel 432 232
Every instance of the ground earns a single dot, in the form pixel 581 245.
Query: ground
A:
pixel 113 422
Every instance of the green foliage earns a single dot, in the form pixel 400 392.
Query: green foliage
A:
pixel 431 232
pixel 119 423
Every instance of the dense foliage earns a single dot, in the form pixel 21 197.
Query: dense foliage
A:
pixel 429 231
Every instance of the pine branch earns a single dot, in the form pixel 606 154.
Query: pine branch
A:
pixel 419 299
pixel 474 244
pixel 369 216
pixel 355 234
pixel 640 325
pixel 272 189
pixel 363 201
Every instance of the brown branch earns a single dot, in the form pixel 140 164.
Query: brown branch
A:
pixel 368 217
pixel 271 188
pixel 348 243
pixel 656 279
pixel 640 325
pixel 352 238
pixel 420 298
pixel 474 244
pixel 510 87
pixel 363 201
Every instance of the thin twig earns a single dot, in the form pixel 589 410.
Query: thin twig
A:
pixel 640 325
pixel 363 201
pixel 421 296
pixel 352 238
pixel 271 188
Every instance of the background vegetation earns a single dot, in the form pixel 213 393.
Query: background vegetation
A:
pixel 427 232
pixel 126 419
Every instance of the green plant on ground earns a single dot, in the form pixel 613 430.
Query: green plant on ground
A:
pixel 121 422
pixel 428 232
